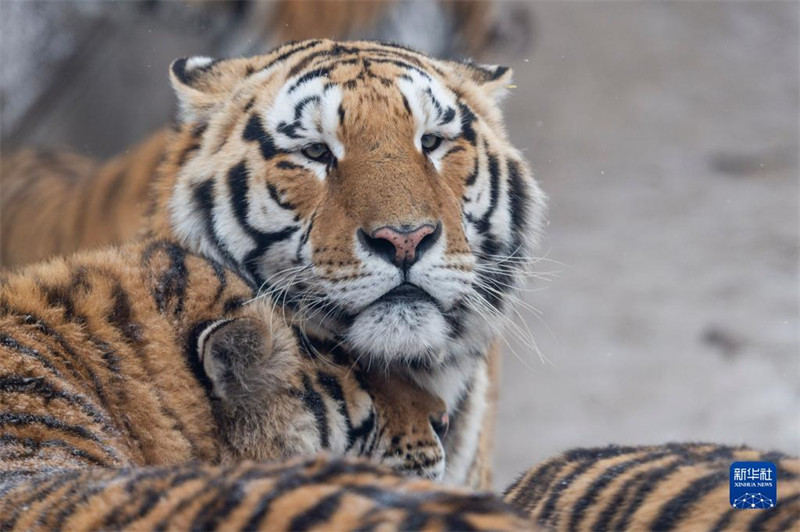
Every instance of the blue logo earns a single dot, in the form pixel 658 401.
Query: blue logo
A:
pixel 754 485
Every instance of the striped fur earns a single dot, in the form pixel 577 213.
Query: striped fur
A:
pixel 296 494
pixel 235 186
pixel 106 356
pixel 669 487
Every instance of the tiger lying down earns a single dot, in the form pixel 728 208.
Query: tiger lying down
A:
pixel 117 361
pixel 136 383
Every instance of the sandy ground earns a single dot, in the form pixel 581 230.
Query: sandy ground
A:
pixel 667 137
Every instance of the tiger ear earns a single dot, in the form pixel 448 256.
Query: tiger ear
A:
pixel 203 82
pixel 493 80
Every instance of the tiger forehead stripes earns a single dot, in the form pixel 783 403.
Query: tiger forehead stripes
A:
pixel 368 185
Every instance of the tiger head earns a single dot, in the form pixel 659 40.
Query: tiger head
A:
pixel 368 187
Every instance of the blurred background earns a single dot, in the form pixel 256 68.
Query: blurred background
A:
pixel 666 135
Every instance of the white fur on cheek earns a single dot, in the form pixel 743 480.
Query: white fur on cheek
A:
pixel 388 331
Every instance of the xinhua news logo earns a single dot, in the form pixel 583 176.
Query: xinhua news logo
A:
pixel 754 485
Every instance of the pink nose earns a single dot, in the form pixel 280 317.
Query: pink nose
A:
pixel 402 247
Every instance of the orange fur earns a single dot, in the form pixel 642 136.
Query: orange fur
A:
pixel 666 487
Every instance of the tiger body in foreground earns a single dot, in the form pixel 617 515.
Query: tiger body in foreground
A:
pixel 676 486
pixel 148 356
pixel 296 494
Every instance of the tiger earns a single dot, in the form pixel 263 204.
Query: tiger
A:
pixel 677 486
pixel 300 493
pixel 401 234
pixel 148 355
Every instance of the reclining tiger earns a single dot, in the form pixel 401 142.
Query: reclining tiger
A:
pixel 373 191
pixel 118 364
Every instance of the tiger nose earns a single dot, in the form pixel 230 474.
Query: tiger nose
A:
pixel 401 246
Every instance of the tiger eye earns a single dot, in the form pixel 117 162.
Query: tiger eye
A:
pixel 317 152
pixel 430 142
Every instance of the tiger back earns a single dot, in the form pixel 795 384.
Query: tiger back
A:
pixel 679 486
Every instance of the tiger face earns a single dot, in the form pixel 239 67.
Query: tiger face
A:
pixel 370 188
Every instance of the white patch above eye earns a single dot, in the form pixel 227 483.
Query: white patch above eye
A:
pixel 433 106
pixel 306 112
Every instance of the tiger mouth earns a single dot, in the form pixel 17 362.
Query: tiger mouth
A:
pixel 405 293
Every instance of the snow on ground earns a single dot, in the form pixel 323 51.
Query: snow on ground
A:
pixel 666 135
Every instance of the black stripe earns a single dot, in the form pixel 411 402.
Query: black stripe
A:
pixel 407 106
pixel 121 315
pixel 314 402
pixel 549 506
pixel 39 490
pixel 335 392
pixel 643 483
pixel 238 185
pixel 534 486
pixel 589 496
pixel 273 193
pixel 211 483
pixel 518 202
pixel 402 64
pixel 679 506
pixel 308 76
pixel 149 499
pixel 301 105
pixel 468 118
pixel 41 388
pixel 25 419
pixel 254 132
pixel 472 177
pixel 484 223
pixel 328 474
pixel 44 328
pixel 286 165
pixel 13 344
pixel 192 356
pixel 318 513
pixel 203 198
pixel 32 447
pixel 172 282
pixel 288 54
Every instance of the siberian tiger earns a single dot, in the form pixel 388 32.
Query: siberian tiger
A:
pixel 661 487
pixel 398 233
pixel 105 356
pixel 373 188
